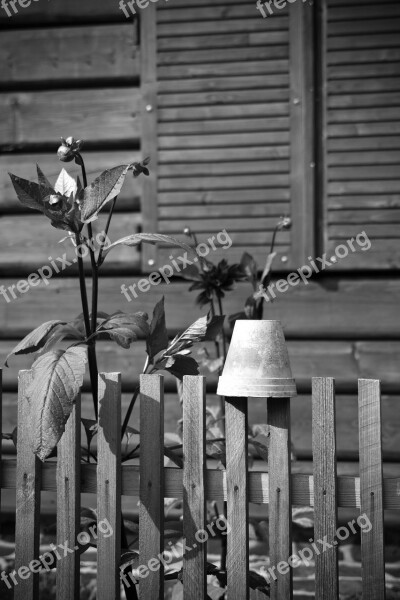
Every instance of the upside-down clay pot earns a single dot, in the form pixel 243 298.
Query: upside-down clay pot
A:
pixel 257 364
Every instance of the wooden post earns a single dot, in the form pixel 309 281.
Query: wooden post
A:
pixel 109 486
pixel 194 492
pixel 325 492
pixel 68 505
pixel 237 498
pixel 28 484
pixel 371 488
pixel 280 504
pixel 151 511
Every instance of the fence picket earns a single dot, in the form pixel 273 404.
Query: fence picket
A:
pixel 237 498
pixel 109 486
pixel 151 511
pixel 325 482
pixel 28 484
pixel 280 505
pixel 68 505
pixel 194 497
pixel 371 483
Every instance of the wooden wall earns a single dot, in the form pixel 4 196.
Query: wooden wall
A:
pixel 234 147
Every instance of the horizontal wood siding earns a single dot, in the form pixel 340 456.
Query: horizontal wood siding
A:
pixel 223 124
pixel 362 69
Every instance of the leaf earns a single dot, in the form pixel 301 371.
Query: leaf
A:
pixel 65 184
pixel 298 516
pixel 249 267
pixel 35 340
pixel 214 592
pixel 157 339
pixel 42 179
pixel 268 267
pixel 57 379
pixel 103 189
pixel 29 193
pixel 130 558
pixel 179 365
pixel 148 238
pixel 258 582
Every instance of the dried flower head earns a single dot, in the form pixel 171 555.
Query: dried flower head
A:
pixel 69 149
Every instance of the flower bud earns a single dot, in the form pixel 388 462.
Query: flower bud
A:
pixel 69 149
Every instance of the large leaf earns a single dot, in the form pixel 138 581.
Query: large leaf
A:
pixel 35 340
pixel 42 179
pixel 157 339
pixel 57 379
pixel 65 184
pixel 179 365
pixel 29 193
pixel 125 328
pixel 103 189
pixel 148 238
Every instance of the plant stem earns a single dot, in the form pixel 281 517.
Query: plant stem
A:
pixel 129 411
pixel 86 318
pixel 107 227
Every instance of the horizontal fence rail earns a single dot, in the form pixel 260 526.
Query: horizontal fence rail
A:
pixel 235 485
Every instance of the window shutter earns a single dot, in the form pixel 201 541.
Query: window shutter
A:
pixel 232 126
pixel 360 128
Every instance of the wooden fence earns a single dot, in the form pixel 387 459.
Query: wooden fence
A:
pixel 195 484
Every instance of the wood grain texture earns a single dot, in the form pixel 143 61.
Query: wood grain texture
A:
pixel 69 54
pixel 301 129
pixel 327 309
pixel 2 430
pixel 68 504
pixel 194 494
pixel 237 562
pixel 27 484
pixel 325 486
pixel 109 486
pixel 149 118
pixel 39 117
pixel 371 495
pixel 151 510
pixel 302 483
pixel 280 494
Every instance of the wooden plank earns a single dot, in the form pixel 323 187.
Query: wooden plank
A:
pixel 371 495
pixel 353 142
pixel 151 511
pixel 2 430
pixel 39 117
pixel 240 111
pixel 68 505
pixel 202 56
pixel 241 82
pixel 342 310
pixel 325 490
pixel 217 183
pixel 376 202
pixel 355 57
pixel 109 485
pixel 385 255
pixel 223 168
pixel 264 67
pixel 354 173
pixel 72 12
pixel 192 28
pixel 235 140
pixel 212 224
pixel 376 230
pixel 301 131
pixel 224 40
pixel 24 165
pixel 302 483
pixel 363 114
pixel 28 484
pixel 362 41
pixel 382 100
pixel 381 84
pixel 365 216
pixel 223 154
pixel 224 126
pixel 359 26
pixel 261 210
pixel 350 130
pixel 207 13
pixel 223 97
pixel 280 496
pixel 21 256
pixel 194 497
pixel 371 158
pixel 149 117
pixel 364 70
pixel 237 562
pixel 384 186
pixel 56 55
pixel 382 11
